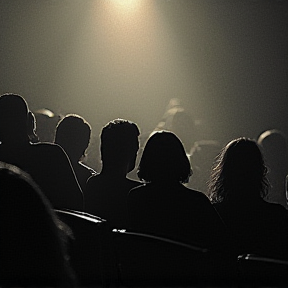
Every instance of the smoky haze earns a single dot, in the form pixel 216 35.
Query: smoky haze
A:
pixel 225 60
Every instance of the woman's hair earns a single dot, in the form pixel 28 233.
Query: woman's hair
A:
pixel 239 172
pixel 164 159
pixel 32 238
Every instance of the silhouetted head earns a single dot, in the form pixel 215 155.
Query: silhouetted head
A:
pixel 13 117
pixel 32 248
pixel 239 173
pixel 73 135
pixel 164 159
pixel 119 143
pixel 274 146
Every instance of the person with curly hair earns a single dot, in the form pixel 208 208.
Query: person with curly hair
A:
pixel 237 189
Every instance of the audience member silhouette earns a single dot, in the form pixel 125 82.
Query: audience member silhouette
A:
pixel 237 188
pixel 73 135
pixel 47 163
pixel 179 121
pixel 32 246
pixel 164 206
pixel 106 193
pixel 274 148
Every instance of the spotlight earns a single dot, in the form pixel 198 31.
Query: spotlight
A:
pixel 127 4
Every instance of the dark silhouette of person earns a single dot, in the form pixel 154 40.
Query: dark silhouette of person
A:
pixel 274 148
pixel 179 121
pixel 33 240
pixel 46 163
pixel 106 193
pixel 73 135
pixel 237 187
pixel 164 206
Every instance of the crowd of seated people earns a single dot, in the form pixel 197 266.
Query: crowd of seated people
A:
pixel 235 218
pixel 164 206
pixel 47 163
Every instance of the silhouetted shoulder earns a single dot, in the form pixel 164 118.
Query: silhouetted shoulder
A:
pixel 179 191
pixel 174 211
pixel 52 168
pixel 196 194
pixel 49 147
pixel 275 210
pixel 106 196
pixel 100 179
pixel 89 169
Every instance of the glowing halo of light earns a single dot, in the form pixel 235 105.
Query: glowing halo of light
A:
pixel 128 5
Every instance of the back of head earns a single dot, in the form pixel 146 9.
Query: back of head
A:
pixel 239 172
pixel 164 159
pixel 73 135
pixel 119 142
pixel 31 247
pixel 274 146
pixel 13 116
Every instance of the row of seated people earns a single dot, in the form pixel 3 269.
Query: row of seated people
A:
pixel 239 220
pixel 41 246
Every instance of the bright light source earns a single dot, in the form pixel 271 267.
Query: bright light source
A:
pixel 127 4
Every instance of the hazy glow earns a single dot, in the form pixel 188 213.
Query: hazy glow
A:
pixel 127 5
pixel 122 62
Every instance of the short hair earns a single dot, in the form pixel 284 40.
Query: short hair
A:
pixel 13 102
pixel 73 133
pixel 164 158
pixel 13 113
pixel 239 166
pixel 119 140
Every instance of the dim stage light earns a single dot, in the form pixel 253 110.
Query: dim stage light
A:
pixel 127 4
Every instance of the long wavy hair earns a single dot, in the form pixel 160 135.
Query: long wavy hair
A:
pixel 239 172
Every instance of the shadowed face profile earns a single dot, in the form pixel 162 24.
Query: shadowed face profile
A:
pixel 164 159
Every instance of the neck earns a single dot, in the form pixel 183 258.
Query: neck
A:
pixel 115 170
